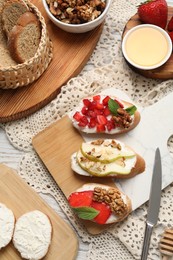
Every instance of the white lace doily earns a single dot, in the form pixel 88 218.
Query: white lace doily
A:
pixel 105 69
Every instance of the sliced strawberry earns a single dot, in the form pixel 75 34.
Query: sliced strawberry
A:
pixel 77 116
pixel 106 111
pixel 99 106
pixel 119 103
pixel 110 125
pixel 100 128
pixel 92 123
pixel 105 100
pixel 80 199
pixel 83 121
pixel 84 110
pixel 86 102
pixel 170 24
pixel 102 120
pixel 104 214
pixel 96 98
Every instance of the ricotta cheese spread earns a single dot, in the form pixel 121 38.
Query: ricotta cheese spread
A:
pixel 32 235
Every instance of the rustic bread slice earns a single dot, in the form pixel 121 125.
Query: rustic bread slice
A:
pixel 5 57
pixel 32 235
pixel 11 12
pixel 7 222
pixel 24 38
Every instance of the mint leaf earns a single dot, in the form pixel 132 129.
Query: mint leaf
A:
pixel 86 212
pixel 131 110
pixel 113 106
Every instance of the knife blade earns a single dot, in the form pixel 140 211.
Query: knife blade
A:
pixel 154 203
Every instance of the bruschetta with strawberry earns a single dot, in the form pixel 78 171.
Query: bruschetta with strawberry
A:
pixel 105 114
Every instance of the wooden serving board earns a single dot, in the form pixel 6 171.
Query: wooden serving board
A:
pixel 165 71
pixel 55 145
pixel 20 198
pixel 70 54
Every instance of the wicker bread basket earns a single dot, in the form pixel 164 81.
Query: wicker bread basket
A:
pixel 19 75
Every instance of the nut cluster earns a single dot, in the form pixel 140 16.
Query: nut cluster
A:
pixel 112 197
pixel 123 119
pixel 112 143
pixel 76 11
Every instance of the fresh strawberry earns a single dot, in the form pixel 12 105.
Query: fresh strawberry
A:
pixel 100 128
pixel 102 120
pixel 154 12
pixel 170 24
pixel 77 116
pixel 171 35
pixel 104 213
pixel 80 199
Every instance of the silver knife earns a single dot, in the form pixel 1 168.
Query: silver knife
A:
pixel 154 203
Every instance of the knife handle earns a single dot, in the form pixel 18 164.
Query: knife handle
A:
pixel 147 237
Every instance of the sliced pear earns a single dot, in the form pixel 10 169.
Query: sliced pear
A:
pixel 100 169
pixel 104 152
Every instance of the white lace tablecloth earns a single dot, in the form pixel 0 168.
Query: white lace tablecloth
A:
pixel 105 69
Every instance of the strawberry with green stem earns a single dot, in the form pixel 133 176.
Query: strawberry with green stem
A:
pixel 154 12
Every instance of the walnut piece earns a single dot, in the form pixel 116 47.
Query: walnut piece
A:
pixel 122 119
pixel 76 11
pixel 113 198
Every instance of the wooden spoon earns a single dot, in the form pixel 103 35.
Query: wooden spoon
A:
pixel 166 244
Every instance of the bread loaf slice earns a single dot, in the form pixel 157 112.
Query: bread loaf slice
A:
pixel 24 38
pixel 11 12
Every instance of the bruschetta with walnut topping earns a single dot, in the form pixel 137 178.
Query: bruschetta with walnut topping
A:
pixel 105 114
pixel 100 203
pixel 107 158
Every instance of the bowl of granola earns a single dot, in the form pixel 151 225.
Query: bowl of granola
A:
pixel 77 16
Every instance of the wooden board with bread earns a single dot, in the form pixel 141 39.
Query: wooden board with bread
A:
pixel 54 238
pixel 88 160
pixel 80 167
pixel 70 54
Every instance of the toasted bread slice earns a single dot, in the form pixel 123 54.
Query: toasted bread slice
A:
pixel 124 163
pixel 97 114
pixel 111 197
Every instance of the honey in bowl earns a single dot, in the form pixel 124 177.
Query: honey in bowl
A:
pixel 147 46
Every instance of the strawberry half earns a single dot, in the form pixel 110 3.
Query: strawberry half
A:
pixel 154 12
pixel 104 213
pixel 80 199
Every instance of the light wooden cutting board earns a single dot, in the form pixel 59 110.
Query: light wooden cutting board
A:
pixel 20 198
pixel 55 145
pixel 58 142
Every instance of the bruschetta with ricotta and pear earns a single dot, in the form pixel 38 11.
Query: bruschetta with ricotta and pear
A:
pixel 107 158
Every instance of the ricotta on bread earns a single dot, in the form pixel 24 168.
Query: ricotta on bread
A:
pixel 107 158
pixel 32 235
pixel 24 37
pixel 7 221
pixel 104 114
pixel 11 12
pixel 100 203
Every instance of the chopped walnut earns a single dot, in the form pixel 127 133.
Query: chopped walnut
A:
pixel 98 142
pixel 113 198
pixel 122 119
pixel 76 11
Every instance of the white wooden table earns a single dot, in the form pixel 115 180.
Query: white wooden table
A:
pixel 11 157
